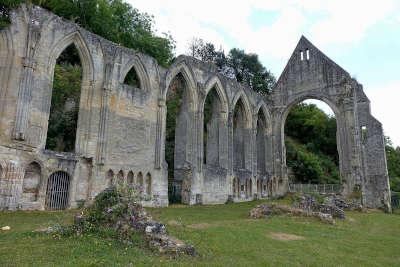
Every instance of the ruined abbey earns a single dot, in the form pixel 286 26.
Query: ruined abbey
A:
pixel 121 129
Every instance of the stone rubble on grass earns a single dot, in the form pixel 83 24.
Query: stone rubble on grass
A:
pixel 268 210
pixel 333 206
pixel 135 219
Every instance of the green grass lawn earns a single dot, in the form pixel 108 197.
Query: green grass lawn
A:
pixel 223 236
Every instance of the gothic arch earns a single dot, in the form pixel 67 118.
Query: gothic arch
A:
pixel 262 107
pixel 86 82
pixel 247 108
pixel 136 63
pixel 84 55
pixel 215 82
pixel 187 74
pixel 344 158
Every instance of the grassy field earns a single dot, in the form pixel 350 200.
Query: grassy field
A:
pixel 223 235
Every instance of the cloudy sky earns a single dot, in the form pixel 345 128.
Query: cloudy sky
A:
pixel 363 36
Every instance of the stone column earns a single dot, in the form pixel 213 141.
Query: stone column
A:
pixel 160 130
pixel 103 133
pixel 26 82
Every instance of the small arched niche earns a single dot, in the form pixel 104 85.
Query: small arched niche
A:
pixel 130 178
pixel 110 178
pixel 148 184
pixel 120 177
pixel 140 179
pixel 31 183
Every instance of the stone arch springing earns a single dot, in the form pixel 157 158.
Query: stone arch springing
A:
pixel 241 133
pixel 180 138
pixel 148 184
pixel 130 178
pixel 288 147
pixel 110 178
pixel 87 78
pixel 31 182
pixel 57 193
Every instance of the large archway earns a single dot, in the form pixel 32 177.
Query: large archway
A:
pixel 65 101
pixel 261 152
pixel 311 143
pixel 240 135
pixel 178 137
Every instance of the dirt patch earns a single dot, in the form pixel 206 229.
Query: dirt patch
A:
pixel 285 237
pixel 174 223
pixel 351 219
pixel 200 226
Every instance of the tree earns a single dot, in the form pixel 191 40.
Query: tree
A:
pixel 114 20
pixel 393 164
pixel 245 68
pixel 311 145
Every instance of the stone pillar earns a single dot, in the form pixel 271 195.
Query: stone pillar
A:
pixel 103 134
pixel 11 186
pixel 160 136
pixel 27 81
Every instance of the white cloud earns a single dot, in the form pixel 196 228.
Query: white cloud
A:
pixel 324 21
pixel 385 107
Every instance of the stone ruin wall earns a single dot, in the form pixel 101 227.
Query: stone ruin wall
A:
pixel 123 129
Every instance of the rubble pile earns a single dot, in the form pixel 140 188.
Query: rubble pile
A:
pixel 325 208
pixel 125 215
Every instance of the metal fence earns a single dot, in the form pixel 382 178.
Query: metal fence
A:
pixel 57 194
pixel 396 200
pixel 315 188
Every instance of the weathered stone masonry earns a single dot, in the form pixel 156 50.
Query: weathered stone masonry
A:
pixel 121 130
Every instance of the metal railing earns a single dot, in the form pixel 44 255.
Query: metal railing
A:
pixel 315 188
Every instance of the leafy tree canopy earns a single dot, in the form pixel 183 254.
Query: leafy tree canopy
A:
pixel 393 163
pixel 245 68
pixel 114 20
pixel 311 145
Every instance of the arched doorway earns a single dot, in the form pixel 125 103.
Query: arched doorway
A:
pixel 57 193
pixel 311 143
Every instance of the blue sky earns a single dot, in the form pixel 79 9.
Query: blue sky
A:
pixel 362 36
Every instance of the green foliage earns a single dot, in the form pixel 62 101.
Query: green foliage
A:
pixel 249 70
pixel 132 79
pixel 311 145
pixel 393 164
pixel 313 128
pixel 114 20
pixel 174 102
pixel 246 68
pixel 213 230
pixel 64 109
pixel 310 167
